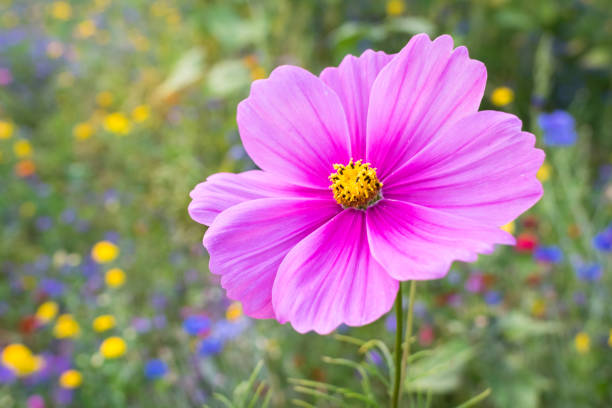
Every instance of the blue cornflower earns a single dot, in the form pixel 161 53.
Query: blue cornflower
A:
pixel 155 369
pixel 548 254
pixel 558 127
pixel 210 346
pixel 493 297
pixel 589 272
pixel 603 240
pixel 195 325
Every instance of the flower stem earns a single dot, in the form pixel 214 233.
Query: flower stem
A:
pixel 408 337
pixel 399 311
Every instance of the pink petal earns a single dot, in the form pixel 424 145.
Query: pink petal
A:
pixel 483 168
pixel 426 87
pixel 293 125
pixel 330 278
pixel 248 241
pixel 352 81
pixel 416 243
pixel 223 190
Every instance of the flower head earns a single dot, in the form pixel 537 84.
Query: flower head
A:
pixel 419 178
pixel 603 240
pixel 104 251
pixel 6 129
pixel 113 347
pixel 117 123
pixel 47 311
pixel 71 379
pixel 502 96
pixel 20 359
pixel 558 128
pixel 66 327
pixel 582 342
pixel 155 369
pixel 103 323
pixel 114 277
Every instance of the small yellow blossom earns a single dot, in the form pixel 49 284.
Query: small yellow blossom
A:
pixel 140 113
pixel 502 96
pixel 233 312
pixel 582 341
pixel 114 277
pixel 610 338
pixel 544 172
pixel 6 129
pixel 20 359
pixel 61 10
pixel 395 7
pixel 117 123
pixel 55 49
pixel 22 148
pixel 86 29
pixel 538 308
pixel 82 131
pixel 113 347
pixel 258 73
pixel 47 311
pixel 66 327
pixel 509 227
pixel 103 323
pixel 71 379
pixel 105 99
pixel 104 252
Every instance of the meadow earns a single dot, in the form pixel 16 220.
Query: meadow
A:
pixel 112 111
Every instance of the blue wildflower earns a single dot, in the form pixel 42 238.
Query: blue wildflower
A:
pixel 210 346
pixel 155 368
pixel 558 127
pixel 590 272
pixel 226 330
pixel 603 240
pixel 493 297
pixel 195 325
pixel 548 254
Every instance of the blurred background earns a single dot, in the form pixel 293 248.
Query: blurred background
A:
pixel 111 111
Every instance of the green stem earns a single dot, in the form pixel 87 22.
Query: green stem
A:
pixel 398 347
pixel 408 337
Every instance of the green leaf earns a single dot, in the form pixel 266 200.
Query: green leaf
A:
pixel 227 77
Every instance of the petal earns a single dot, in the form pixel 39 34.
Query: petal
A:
pixel 427 86
pixel 352 80
pixel 330 278
pixel 223 190
pixel 292 124
pixel 483 168
pixel 248 241
pixel 417 243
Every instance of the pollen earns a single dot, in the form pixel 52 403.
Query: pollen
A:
pixel 355 185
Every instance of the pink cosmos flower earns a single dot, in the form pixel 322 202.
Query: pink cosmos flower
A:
pixel 419 178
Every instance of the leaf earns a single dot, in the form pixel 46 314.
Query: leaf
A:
pixel 187 71
pixel 411 25
pixel 227 77
pixel 518 327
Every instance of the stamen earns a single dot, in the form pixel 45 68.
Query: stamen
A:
pixel 355 185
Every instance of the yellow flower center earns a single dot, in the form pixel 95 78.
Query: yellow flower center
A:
pixel 355 185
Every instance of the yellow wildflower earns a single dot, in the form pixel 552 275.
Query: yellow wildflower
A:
pixel 502 96
pixel 47 311
pixel 509 227
pixel 22 148
pixel 104 251
pixel 105 99
pixel 233 312
pixel 395 7
pixel 66 327
pixel 140 113
pixel 86 29
pixel 544 172
pixel 117 123
pixel 71 379
pixel 6 129
pixel 113 347
pixel 103 323
pixel 20 359
pixel 114 277
pixel 82 131
pixel 582 341
pixel 61 10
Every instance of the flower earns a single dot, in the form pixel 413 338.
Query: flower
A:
pixel 603 240
pixel 25 168
pixel 548 254
pixel 6 129
pixel 155 369
pixel 105 99
pixel 61 10
pixel 420 179
pixel 233 312
pixel 210 346
pixel 86 29
pixel 544 173
pixel 395 7
pixel 35 401
pixel 20 359
pixel 82 131
pixel 104 251
pixel 103 323
pixel 66 327
pixel 71 379
pixel 502 96
pixel 526 242
pixel 140 113
pixel 47 311
pixel 195 325
pixel 558 128
pixel 114 277
pixel 117 123
pixel 582 342
pixel 113 347
pixel 589 272
pixel 22 148
pixel 509 227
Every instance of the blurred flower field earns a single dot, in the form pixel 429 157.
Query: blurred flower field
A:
pixel 111 111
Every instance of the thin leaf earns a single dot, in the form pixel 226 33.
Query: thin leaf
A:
pixel 473 401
